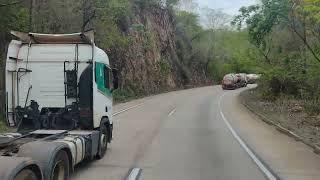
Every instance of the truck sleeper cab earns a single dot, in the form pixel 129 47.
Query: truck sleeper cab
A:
pixel 59 95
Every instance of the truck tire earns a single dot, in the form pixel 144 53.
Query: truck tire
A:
pixel 60 167
pixel 103 141
pixel 26 174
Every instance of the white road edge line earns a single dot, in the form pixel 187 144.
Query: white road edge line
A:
pixel 134 174
pixel 127 109
pixel 261 166
pixel 172 112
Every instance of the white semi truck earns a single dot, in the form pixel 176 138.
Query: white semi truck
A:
pixel 59 96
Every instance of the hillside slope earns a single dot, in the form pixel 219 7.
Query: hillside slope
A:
pixel 139 36
pixel 151 64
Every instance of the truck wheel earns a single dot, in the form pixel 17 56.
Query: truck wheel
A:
pixel 103 142
pixel 26 174
pixel 60 167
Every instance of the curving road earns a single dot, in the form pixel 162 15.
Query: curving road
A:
pixel 203 134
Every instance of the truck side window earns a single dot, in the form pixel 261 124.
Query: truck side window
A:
pixel 104 78
pixel 107 77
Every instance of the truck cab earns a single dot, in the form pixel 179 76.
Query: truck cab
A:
pixel 58 82
pixel 59 96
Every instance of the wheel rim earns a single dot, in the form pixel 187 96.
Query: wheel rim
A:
pixel 58 171
pixel 103 141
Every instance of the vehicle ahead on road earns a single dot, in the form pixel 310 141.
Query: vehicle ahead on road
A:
pixel 234 81
pixel 252 78
pixel 59 95
pixel 229 81
pixel 242 80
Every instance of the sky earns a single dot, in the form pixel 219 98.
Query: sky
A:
pixel 229 6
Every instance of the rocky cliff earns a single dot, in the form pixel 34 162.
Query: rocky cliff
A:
pixel 151 64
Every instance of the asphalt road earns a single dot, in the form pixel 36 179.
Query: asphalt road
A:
pixel 202 133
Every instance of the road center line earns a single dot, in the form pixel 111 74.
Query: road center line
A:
pixel 172 112
pixel 252 155
pixel 134 174
pixel 127 109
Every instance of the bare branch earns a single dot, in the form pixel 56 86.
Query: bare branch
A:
pixel 306 43
pixel 292 27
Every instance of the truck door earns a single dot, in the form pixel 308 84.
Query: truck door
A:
pixel 103 95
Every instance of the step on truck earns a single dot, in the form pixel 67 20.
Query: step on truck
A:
pixel 59 97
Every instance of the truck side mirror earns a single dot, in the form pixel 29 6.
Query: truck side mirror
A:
pixel 115 80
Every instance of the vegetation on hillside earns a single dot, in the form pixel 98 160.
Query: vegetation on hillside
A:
pixel 156 46
pixel 286 34
pixel 161 46
pixel 216 44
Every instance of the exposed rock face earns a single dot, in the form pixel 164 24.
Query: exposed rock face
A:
pixel 150 64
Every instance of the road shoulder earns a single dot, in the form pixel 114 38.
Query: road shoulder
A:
pixel 288 158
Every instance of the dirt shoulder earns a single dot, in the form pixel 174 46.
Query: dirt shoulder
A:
pixel 286 157
pixel 286 113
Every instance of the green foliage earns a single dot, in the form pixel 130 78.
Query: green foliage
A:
pixel 188 24
pixel 286 35
pixel 232 53
pixel 311 8
pixel 12 17
pixel 164 66
pixel 138 27
pixel 148 3
pixel 110 19
pixel 124 94
pixel 218 51
pixel 171 3
pixel 262 18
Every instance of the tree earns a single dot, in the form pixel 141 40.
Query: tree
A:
pixel 171 3
pixel 216 18
pixel 261 19
pixel 13 16
pixel 188 5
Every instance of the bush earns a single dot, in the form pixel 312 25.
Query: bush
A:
pixel 124 94
pixel 164 66
pixel 312 106
pixel 287 78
